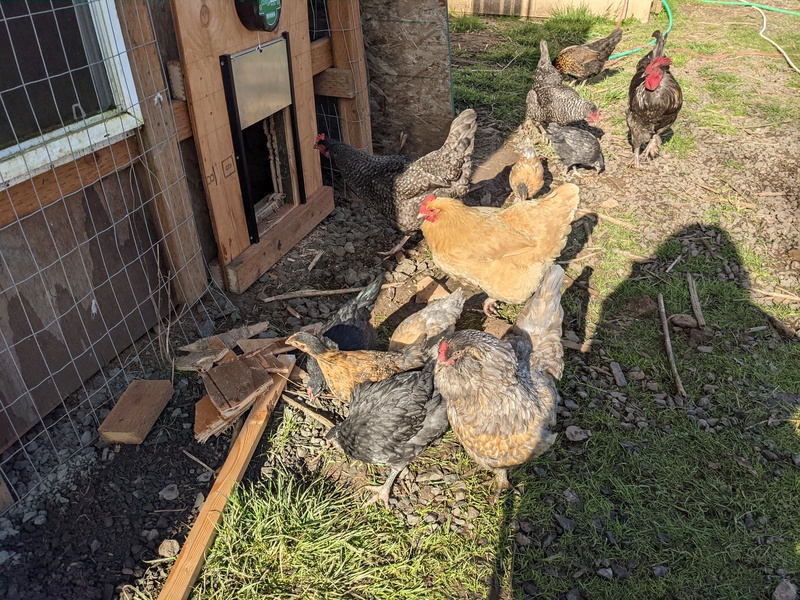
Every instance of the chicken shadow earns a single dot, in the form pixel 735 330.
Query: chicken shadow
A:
pixel 629 325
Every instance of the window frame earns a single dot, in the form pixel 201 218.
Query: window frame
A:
pixel 32 157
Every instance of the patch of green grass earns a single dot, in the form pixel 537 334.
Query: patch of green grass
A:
pixel 681 144
pixel 465 23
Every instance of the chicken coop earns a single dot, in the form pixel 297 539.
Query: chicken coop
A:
pixel 152 151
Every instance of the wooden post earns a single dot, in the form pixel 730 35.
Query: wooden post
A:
pixel 347 45
pixel 171 209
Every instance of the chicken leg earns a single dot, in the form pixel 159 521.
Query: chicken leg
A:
pixel 653 147
pixel 502 484
pixel 635 160
pixel 382 491
pixel 490 307
pixel 397 248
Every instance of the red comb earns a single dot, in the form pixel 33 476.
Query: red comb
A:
pixel 661 61
pixel 443 352
pixel 320 137
pixel 428 199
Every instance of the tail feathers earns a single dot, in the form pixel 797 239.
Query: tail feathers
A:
pixel 360 307
pixel 462 130
pixel 414 355
pixel 460 144
pixel 606 45
pixel 540 320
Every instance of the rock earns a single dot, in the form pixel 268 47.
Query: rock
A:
pixel 565 523
pixel 169 548
pixel 349 248
pixel 5 556
pixel 576 434
pixel 169 493
pixel 606 572
pixel 86 437
pixel 428 290
pixel 705 349
pixel 660 570
pixel 683 321
pixel 522 539
pixel 619 376
pixel 199 499
pixel 786 590
pixel 530 588
pixel 611 203
pixel 641 306
pixel 95 546
pixel 636 374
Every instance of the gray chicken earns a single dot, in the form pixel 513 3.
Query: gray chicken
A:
pixel 550 101
pixel 435 320
pixel 396 185
pixel 392 422
pixel 501 394
pixel 576 147
pixel 349 328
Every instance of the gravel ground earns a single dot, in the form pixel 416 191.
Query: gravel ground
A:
pixel 112 512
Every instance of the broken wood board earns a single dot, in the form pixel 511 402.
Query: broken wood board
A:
pixel 202 360
pixel 192 556
pixel 270 362
pixel 428 290
pixel 6 498
pixel 231 383
pixel 228 338
pixel 136 412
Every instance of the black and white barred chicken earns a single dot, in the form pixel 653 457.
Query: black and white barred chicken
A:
pixel 396 184
pixel 550 101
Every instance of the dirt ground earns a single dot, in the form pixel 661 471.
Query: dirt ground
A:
pixel 103 543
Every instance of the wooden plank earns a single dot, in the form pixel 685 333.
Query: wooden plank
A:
pixel 291 226
pixel 543 9
pixel 192 556
pixel 226 339
pixel 172 209
pixel 135 412
pixel 6 498
pixel 29 196
pixel 321 55
pixel 231 383
pixel 337 83
pixel 180 110
pixel 347 47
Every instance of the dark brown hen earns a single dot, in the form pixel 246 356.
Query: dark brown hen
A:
pixel 501 394
pixel 396 184
pixel 587 60
pixel 654 101
pixel 391 422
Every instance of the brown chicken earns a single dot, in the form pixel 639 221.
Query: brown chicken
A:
pixel 343 370
pixel 435 320
pixel 654 101
pixel 396 184
pixel 501 394
pixel 503 251
pixel 587 60
pixel 527 174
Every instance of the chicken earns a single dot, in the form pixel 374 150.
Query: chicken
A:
pixel 503 251
pixel 527 174
pixel 435 320
pixel 392 422
pixel 396 185
pixel 343 370
pixel 550 101
pixel 576 147
pixel 501 394
pixel 349 329
pixel 587 60
pixel 654 101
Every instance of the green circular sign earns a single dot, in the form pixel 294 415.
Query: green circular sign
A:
pixel 270 10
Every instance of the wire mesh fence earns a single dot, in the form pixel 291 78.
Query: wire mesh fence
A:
pixel 87 283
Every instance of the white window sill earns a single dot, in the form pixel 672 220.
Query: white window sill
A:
pixel 33 157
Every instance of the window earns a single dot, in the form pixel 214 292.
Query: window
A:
pixel 66 87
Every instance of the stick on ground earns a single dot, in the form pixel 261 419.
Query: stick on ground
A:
pixel 308 410
pixel 668 346
pixel 314 293
pixel 696 308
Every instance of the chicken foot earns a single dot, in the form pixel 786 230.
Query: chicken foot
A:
pixel 382 491
pixel 653 147
pixel 397 248
pixel 502 484
pixel 490 307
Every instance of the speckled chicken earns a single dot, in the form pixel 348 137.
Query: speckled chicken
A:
pixel 503 251
pixel 343 370
pixel 576 147
pixel 654 101
pixel 349 328
pixel 435 320
pixel 587 60
pixel 501 394
pixel 550 101
pixel 391 422
pixel 396 184
pixel 526 177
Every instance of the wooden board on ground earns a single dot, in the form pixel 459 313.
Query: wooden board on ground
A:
pixel 6 498
pixel 192 555
pixel 134 414
pixel 234 382
pixel 227 339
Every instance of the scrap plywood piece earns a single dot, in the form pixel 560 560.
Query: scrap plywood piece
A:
pixel 205 31
pixel 203 354
pixel 6 498
pixel 409 65
pixel 164 174
pixel 234 383
pixel 428 290
pixel 226 339
pixel 134 414
pixel 192 556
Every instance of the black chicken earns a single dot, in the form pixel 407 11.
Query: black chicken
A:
pixel 576 147
pixel 550 101
pixel 348 329
pixel 396 185
pixel 654 101
pixel 587 60
pixel 392 422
